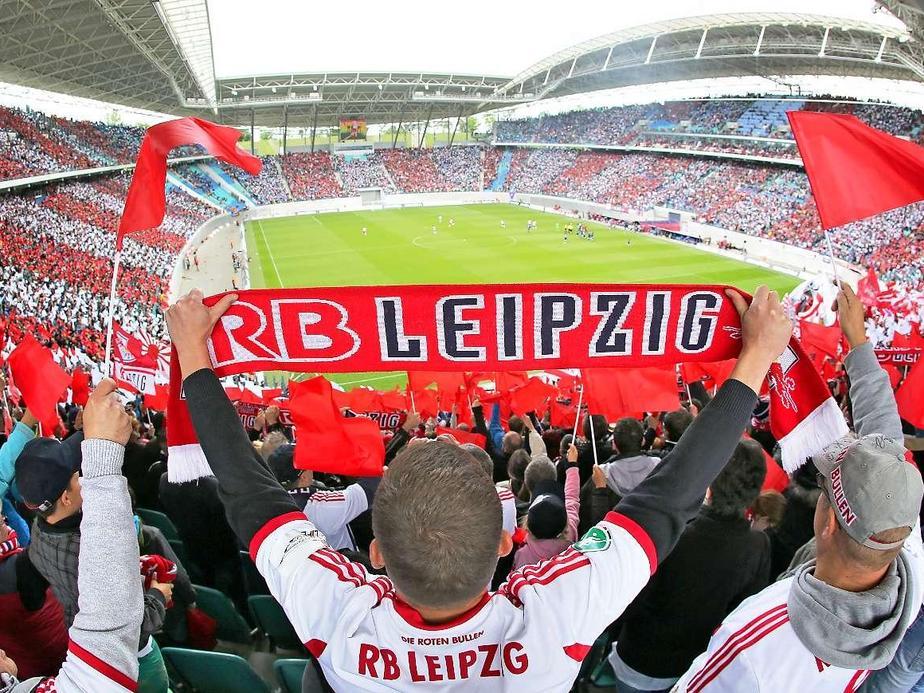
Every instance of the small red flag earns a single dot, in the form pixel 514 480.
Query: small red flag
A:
pixel 394 400
pixel 462 436
pixel 158 401
pixel 824 339
pixel 618 392
pixel 531 397
pixel 424 402
pixel 713 374
pixel 40 379
pixel 908 396
pixel 80 387
pixel 562 416
pixel 855 171
pixel 868 289
pixel 328 442
pixel 363 400
pixel 147 198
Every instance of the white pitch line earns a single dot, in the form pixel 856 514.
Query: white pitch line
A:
pixel 270 251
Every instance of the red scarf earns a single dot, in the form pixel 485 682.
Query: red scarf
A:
pixel 497 327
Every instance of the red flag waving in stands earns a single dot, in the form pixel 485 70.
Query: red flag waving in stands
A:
pixel 618 392
pixel 868 289
pixel 40 379
pixel 80 387
pixel 147 200
pixel 855 171
pixel 531 397
pixel 328 442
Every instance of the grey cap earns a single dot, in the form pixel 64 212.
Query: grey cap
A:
pixel 871 486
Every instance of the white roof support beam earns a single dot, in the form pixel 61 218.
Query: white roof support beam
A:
pixel 654 42
pixel 702 42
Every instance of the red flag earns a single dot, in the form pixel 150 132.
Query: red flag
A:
pixel 618 392
pixel 824 339
pixel 7 422
pixel 147 200
pixel 445 381
pixel 531 397
pixel 394 400
pixel 424 402
pixel 563 416
pixel 714 374
pixel 868 289
pixel 462 436
pixel 855 171
pixel 234 393
pixel 41 380
pixel 909 398
pixel 158 401
pixel 80 387
pixel 363 400
pixel 270 394
pixel 504 381
pixel 328 442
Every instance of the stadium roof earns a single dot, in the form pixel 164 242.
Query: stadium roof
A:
pixel 157 54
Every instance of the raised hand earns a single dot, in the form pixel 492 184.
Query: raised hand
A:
pixel 190 323
pixel 104 417
pixel 765 332
pixel 851 315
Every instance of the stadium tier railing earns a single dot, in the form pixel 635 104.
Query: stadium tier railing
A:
pixel 752 249
pixel 794 162
pixel 46 178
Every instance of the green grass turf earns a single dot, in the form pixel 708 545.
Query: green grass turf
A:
pixel 400 248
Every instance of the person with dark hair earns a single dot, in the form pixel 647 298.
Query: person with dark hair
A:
pixel 795 526
pixel 845 613
pixel 596 432
pixel 675 423
pixel 768 510
pixel 622 472
pixel 438 533
pixel 516 472
pixel 718 562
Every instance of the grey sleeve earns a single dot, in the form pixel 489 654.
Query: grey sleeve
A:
pixel 874 408
pixel 104 636
pixel 155 611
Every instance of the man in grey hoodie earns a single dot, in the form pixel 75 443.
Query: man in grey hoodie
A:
pixel 844 613
pixel 102 655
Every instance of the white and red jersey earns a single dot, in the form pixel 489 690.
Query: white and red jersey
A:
pixel 509 509
pixel 756 648
pixel 331 512
pixel 532 634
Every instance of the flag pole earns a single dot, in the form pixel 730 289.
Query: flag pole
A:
pixel 107 368
pixel 837 279
pixel 577 415
pixel 593 438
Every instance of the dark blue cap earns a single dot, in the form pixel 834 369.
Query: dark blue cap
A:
pixel 44 469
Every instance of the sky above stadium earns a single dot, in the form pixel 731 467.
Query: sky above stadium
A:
pixel 494 38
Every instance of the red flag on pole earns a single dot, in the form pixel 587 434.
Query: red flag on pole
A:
pixel 855 171
pixel 328 442
pixel 40 379
pixel 147 199
pixel 618 392
pixel 531 397
pixel 159 400
pixel 462 437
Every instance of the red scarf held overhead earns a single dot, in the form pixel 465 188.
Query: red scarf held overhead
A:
pixel 147 199
pixel 498 328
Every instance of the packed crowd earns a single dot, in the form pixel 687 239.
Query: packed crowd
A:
pixel 665 551
pixel 720 125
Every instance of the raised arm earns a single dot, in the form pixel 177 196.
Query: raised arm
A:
pixel 671 495
pixel 874 408
pixel 22 433
pixel 250 493
pixel 103 652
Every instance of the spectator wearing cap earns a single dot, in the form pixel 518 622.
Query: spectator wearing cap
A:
pixel 718 562
pixel 331 511
pixel 846 612
pixel 48 478
pixel 552 518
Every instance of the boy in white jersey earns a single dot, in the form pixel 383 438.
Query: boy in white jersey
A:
pixel 843 614
pixel 438 532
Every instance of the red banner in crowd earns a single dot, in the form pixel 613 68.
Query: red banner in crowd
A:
pixel 248 411
pixel 467 328
pixel 502 328
pixel 905 356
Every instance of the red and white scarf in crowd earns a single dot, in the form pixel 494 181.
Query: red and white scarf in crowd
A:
pixel 497 328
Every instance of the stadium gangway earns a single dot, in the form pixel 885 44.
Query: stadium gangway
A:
pixel 793 163
pixel 44 179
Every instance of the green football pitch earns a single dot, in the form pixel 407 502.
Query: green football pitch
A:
pixel 400 247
